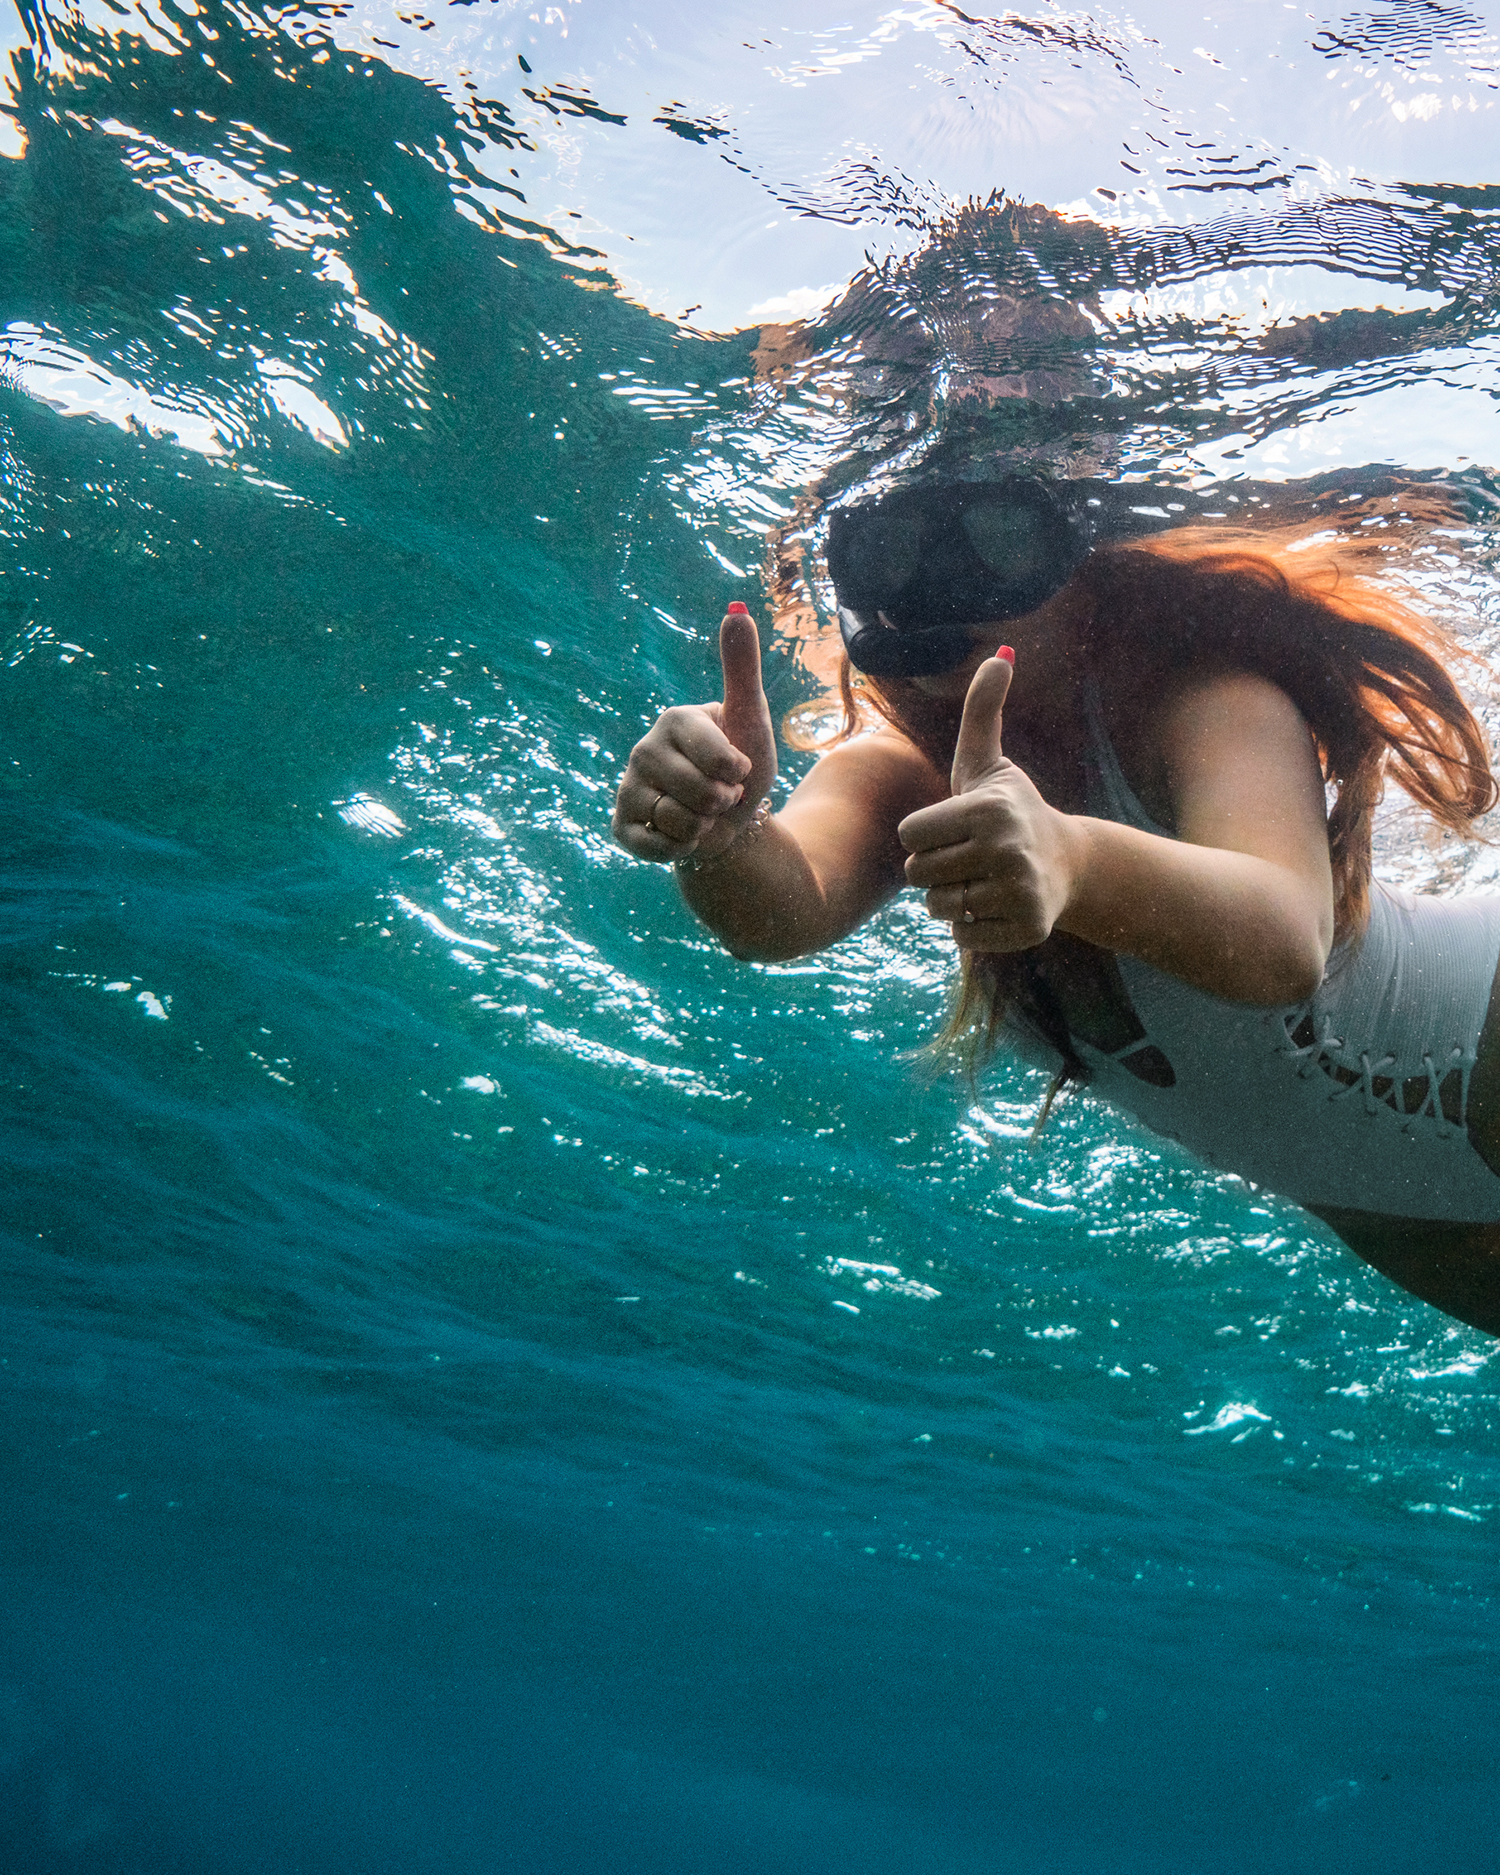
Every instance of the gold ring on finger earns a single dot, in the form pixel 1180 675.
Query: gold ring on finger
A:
pixel 650 820
pixel 964 902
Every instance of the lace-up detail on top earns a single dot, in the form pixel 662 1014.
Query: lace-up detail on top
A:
pixel 1440 1092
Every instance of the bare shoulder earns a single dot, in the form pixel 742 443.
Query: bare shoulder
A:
pixel 1240 769
pixel 1224 702
pixel 1233 725
pixel 1195 727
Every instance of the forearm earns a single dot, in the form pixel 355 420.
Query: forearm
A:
pixel 829 860
pixel 762 898
pixel 1240 927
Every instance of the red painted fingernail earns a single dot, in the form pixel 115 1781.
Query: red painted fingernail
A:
pixel 738 605
pixel 1006 653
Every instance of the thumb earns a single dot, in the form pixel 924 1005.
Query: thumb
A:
pixel 739 654
pixel 978 750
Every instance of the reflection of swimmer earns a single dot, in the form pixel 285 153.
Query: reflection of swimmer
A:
pixel 1145 886
pixel 984 340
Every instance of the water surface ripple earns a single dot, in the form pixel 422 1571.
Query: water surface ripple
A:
pixel 492 1382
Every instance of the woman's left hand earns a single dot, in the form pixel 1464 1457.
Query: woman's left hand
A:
pixel 998 863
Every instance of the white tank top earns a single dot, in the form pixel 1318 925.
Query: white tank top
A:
pixel 1355 1098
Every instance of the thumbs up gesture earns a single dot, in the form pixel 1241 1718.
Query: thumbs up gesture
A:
pixel 997 862
pixel 697 775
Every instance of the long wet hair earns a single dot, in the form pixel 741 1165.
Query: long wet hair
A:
pixel 1367 671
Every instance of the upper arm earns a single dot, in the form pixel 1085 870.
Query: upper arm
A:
pixel 1242 774
pixel 844 814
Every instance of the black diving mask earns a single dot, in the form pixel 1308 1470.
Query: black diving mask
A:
pixel 914 572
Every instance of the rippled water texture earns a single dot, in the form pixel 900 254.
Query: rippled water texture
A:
pixel 490 1382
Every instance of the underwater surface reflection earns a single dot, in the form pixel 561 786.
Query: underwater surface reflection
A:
pixel 491 1382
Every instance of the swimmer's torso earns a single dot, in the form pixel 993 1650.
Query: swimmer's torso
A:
pixel 1356 1098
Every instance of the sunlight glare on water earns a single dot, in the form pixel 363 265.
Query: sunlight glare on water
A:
pixel 492 1381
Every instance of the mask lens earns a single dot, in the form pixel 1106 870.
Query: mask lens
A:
pixel 1011 541
pixel 890 547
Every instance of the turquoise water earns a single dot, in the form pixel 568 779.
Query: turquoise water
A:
pixel 490 1382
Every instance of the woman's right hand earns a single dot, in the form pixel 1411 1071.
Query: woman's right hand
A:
pixel 697 775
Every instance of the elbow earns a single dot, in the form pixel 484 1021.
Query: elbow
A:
pixel 762 951
pixel 774 941
pixel 1287 965
pixel 1288 973
pixel 1300 980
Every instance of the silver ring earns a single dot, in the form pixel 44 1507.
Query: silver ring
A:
pixel 964 901
pixel 650 820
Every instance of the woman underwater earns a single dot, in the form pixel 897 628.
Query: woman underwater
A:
pixel 1121 812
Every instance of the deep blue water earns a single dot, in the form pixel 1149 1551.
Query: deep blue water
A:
pixel 491 1383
